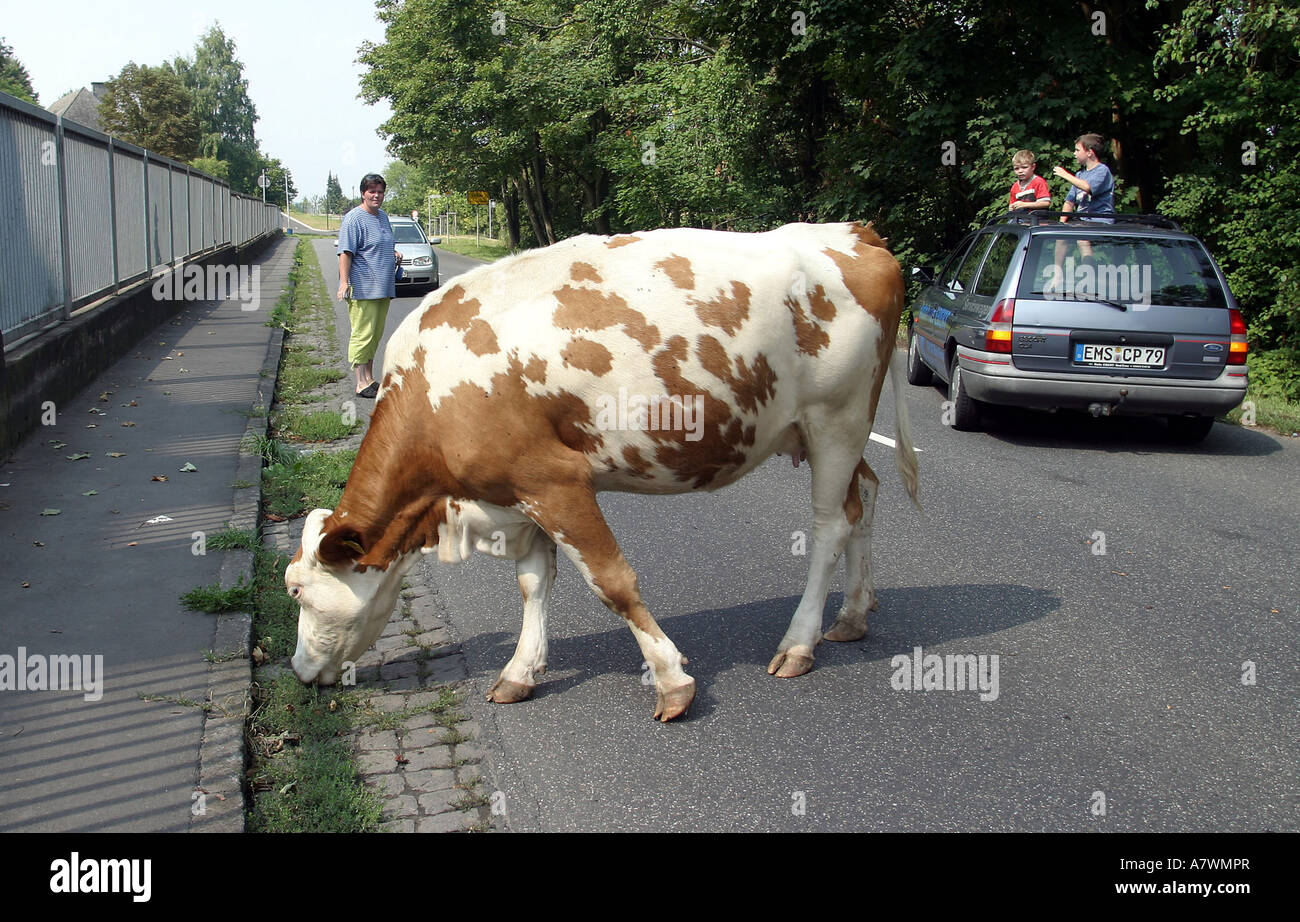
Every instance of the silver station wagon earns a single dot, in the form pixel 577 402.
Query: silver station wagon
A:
pixel 1113 314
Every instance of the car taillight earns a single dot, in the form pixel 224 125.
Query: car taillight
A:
pixel 997 338
pixel 1237 347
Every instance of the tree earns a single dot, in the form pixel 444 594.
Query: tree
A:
pixel 1233 68
pixel 334 200
pixel 225 113
pixel 150 107
pixel 213 167
pixel 14 78
pixel 276 175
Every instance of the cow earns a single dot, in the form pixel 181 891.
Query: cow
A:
pixel 664 361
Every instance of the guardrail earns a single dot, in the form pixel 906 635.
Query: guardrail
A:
pixel 83 214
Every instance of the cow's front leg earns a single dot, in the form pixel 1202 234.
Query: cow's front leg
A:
pixel 536 574
pixel 570 514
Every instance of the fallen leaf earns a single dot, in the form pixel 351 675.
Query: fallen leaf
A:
pixel 182 370
pixel 159 520
pixel 133 544
pixel 167 358
pixel 91 493
pixel 128 424
pixel 38 544
pixel 103 398
pixel 160 478
pixel 79 456
pixel 26 585
pixel 400 759
pixel 57 444
pixel 116 454
pixel 52 512
pixel 180 353
pixel 188 468
pixel 92 425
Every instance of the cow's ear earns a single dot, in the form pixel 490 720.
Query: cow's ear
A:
pixel 341 544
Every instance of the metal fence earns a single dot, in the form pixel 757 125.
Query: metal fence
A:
pixel 83 214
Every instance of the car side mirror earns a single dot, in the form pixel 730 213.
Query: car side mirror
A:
pixel 924 273
pixel 433 241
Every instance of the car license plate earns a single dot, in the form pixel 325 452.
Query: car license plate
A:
pixel 1119 356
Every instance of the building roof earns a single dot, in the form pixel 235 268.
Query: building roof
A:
pixel 81 106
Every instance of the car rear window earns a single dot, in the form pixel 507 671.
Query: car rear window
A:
pixel 407 233
pixel 1145 270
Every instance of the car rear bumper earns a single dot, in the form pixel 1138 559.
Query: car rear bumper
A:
pixel 991 378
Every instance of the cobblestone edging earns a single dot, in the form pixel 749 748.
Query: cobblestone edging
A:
pixel 431 777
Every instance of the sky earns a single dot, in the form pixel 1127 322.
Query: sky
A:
pixel 299 59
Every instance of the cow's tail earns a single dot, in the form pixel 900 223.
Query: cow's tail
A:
pixel 905 454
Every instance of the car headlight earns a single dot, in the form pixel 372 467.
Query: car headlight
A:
pixel 419 261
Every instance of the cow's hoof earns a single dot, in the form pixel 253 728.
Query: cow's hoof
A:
pixel 842 631
pixel 790 663
pixel 508 692
pixel 674 702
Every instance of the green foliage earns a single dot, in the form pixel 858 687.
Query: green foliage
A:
pixel 1275 374
pixel 299 484
pixel 151 107
pixel 613 115
pixel 14 78
pixel 232 539
pixel 304 778
pixel 333 195
pixel 222 108
pixel 212 166
pixel 214 600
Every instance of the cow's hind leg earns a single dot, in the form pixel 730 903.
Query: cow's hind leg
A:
pixel 536 574
pixel 835 465
pixel 571 516
pixel 859 592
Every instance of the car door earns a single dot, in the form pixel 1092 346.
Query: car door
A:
pixel 956 298
pixel 938 304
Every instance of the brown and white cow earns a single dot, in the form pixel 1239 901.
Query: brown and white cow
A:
pixel 657 362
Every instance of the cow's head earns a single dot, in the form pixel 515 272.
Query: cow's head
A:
pixel 342 608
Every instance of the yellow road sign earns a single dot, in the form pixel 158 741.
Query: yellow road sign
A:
pixel 478 198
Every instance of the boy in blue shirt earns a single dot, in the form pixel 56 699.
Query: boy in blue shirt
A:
pixel 1094 187
pixel 1092 192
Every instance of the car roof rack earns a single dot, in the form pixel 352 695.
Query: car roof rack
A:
pixel 1039 216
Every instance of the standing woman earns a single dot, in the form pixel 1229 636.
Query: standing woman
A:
pixel 368 261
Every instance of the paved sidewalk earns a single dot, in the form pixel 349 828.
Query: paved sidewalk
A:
pixel 103 577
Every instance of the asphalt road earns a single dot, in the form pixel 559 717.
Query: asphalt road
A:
pixel 1120 703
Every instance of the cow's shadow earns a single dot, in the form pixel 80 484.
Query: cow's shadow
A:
pixel 717 640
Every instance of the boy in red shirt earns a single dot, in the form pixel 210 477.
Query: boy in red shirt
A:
pixel 1029 190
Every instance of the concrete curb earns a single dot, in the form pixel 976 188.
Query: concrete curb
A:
pixel 222 752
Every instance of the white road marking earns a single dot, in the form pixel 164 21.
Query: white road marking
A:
pixel 885 440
